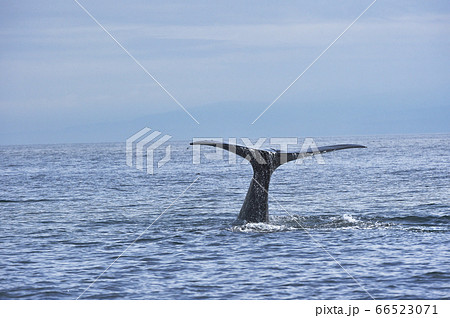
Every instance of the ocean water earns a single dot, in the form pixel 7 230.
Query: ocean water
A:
pixel 368 223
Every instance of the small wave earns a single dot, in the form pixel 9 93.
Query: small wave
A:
pixel 295 223
pixel 259 228
pixel 43 200
pixel 425 220
pixel 344 222
pixel 406 171
pixel 349 218
pixel 27 201
pixel 432 275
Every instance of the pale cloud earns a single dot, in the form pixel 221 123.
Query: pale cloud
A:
pixel 308 33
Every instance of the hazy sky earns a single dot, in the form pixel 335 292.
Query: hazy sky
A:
pixel 63 79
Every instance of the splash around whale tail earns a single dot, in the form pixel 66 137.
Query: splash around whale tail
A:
pixel 264 162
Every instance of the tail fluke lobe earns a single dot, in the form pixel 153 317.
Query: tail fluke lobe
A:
pixel 319 150
pixel 237 149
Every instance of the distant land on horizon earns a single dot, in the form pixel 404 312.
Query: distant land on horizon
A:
pixel 234 120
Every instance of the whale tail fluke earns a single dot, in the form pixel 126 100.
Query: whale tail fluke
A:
pixel 258 156
pixel 264 162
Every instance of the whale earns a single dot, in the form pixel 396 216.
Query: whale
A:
pixel 264 162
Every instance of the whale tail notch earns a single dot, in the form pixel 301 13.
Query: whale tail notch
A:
pixel 255 208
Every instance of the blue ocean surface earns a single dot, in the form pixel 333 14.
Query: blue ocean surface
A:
pixel 368 223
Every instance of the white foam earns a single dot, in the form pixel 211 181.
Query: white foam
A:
pixel 349 218
pixel 259 228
